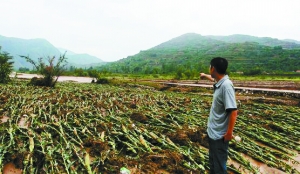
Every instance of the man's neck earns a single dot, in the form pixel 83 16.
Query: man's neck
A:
pixel 219 77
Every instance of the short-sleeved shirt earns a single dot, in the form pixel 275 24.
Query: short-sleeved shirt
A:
pixel 223 102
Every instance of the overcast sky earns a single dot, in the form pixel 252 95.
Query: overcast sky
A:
pixel 114 29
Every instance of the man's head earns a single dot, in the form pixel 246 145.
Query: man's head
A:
pixel 219 64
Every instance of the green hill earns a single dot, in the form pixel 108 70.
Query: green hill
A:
pixel 36 48
pixel 267 41
pixel 33 48
pixel 192 52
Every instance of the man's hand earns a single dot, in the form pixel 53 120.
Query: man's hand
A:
pixel 203 76
pixel 232 118
pixel 206 76
pixel 228 137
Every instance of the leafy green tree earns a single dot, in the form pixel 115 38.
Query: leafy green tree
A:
pixel 137 69
pixel 6 66
pixel 179 73
pixel 188 74
pixel 50 71
pixel 155 70
pixel 254 71
pixel 72 68
pixel 94 74
pixel 79 72
pixel 23 69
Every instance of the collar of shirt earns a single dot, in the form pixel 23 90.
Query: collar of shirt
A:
pixel 219 83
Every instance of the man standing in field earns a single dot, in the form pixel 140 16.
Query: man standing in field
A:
pixel 222 116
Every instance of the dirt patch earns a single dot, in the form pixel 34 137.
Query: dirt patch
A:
pixel 269 100
pixel 139 117
pixel 10 168
pixel 286 85
pixel 165 161
pixel 184 135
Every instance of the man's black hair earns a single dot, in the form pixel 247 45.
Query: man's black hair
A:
pixel 220 64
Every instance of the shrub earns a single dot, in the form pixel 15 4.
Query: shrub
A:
pixel 37 82
pixel 255 71
pixel 6 67
pixel 155 75
pixel 48 71
pixel 102 81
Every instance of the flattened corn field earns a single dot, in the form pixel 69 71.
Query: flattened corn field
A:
pixel 89 128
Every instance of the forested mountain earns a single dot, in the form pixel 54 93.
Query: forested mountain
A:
pixel 291 40
pixel 33 48
pixel 190 53
pixel 36 48
pixel 267 41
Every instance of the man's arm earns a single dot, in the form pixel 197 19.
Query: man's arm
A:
pixel 232 118
pixel 206 76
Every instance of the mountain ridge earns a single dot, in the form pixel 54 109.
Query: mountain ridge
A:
pixel 193 52
pixel 267 41
pixel 186 48
pixel 36 48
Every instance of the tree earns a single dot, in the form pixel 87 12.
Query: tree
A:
pixel 188 74
pixel 6 66
pixel 23 69
pixel 48 71
pixel 79 72
pixel 179 73
pixel 94 74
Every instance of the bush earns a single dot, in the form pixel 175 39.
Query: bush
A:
pixel 6 67
pixel 253 72
pixel 37 82
pixel 102 81
pixel 155 75
pixel 23 69
pixel 48 71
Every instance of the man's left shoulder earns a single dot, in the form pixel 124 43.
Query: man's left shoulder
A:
pixel 228 82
